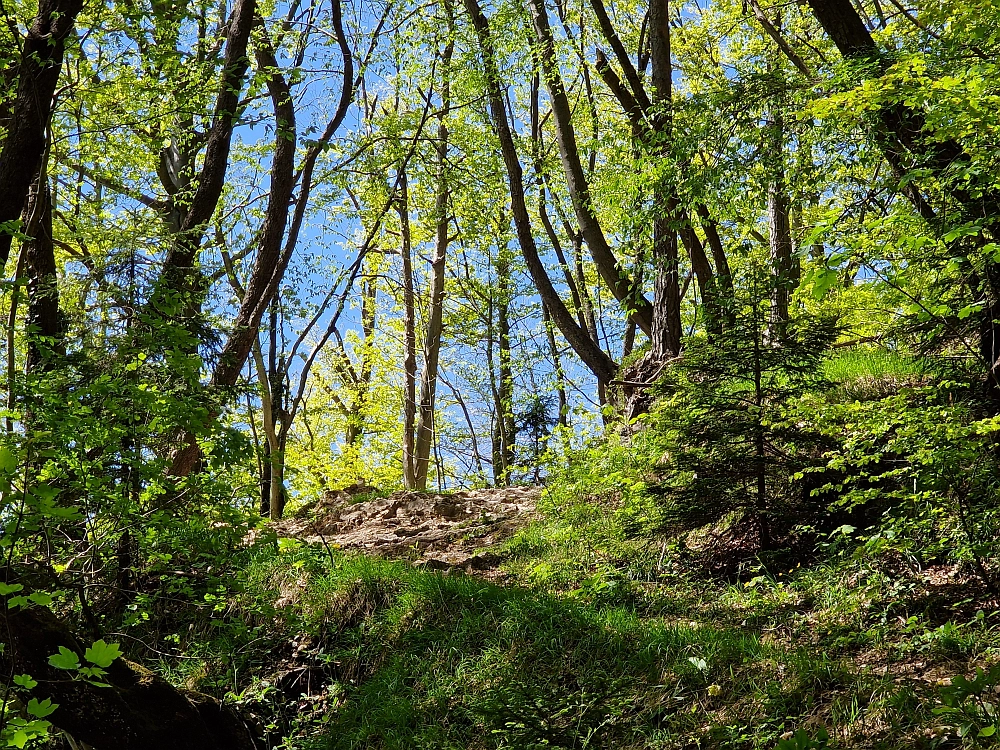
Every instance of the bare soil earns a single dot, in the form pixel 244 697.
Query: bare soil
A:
pixel 459 530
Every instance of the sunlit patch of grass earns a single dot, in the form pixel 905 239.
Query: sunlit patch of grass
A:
pixel 864 373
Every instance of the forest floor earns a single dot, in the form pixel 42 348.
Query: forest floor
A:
pixel 457 530
pixel 520 619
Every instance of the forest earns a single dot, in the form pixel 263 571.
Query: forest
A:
pixel 488 375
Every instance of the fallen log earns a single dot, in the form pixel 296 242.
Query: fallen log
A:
pixel 137 711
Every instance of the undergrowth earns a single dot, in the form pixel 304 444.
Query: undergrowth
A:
pixel 870 624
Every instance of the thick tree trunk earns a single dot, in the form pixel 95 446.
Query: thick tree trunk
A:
pixel 37 75
pixel 901 134
pixel 137 710
pixel 614 275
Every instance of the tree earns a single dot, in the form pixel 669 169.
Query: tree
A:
pixel 731 451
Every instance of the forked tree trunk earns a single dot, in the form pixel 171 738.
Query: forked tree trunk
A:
pixel 595 358
pixel 614 275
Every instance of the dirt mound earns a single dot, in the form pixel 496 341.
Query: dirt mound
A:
pixel 439 531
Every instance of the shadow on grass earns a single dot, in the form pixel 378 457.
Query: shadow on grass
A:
pixel 414 659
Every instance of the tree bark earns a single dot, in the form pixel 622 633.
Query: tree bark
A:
pixel 616 278
pixel 507 431
pixel 595 358
pixel 779 226
pixel 137 710
pixel 666 334
pixel 402 206
pixel 550 336
pixel 707 284
pixel 900 133
pixel 37 76
pixel 435 313
pixel 46 326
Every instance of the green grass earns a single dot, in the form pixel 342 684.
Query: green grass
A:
pixel 404 658
pixel 865 373
pixel 604 634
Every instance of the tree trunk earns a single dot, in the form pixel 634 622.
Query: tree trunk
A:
pixel 707 284
pixel 780 233
pixel 37 75
pixel 138 709
pixel 666 333
pixel 595 358
pixel 550 335
pixel 505 384
pixel 616 278
pixel 901 134
pixel 402 206
pixel 46 328
pixel 435 313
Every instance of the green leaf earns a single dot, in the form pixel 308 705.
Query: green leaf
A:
pixel 988 731
pixel 65 659
pixel 40 598
pixel 9 588
pixel 25 681
pixel 102 654
pixel 18 739
pixel 825 279
pixel 8 461
pixel 41 709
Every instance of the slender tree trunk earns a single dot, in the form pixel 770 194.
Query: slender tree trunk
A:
pixel 780 232
pixel 550 335
pixel 760 455
pixel 707 284
pixel 355 415
pixel 46 329
pixel 666 332
pixel 505 384
pixel 409 338
pixel 432 340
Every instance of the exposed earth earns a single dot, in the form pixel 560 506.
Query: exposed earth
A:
pixel 456 530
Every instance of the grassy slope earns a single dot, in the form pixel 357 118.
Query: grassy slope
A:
pixel 392 657
pixel 605 634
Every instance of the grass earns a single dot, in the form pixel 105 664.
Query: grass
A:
pixel 424 660
pixel 378 654
pixel 604 634
pixel 866 373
